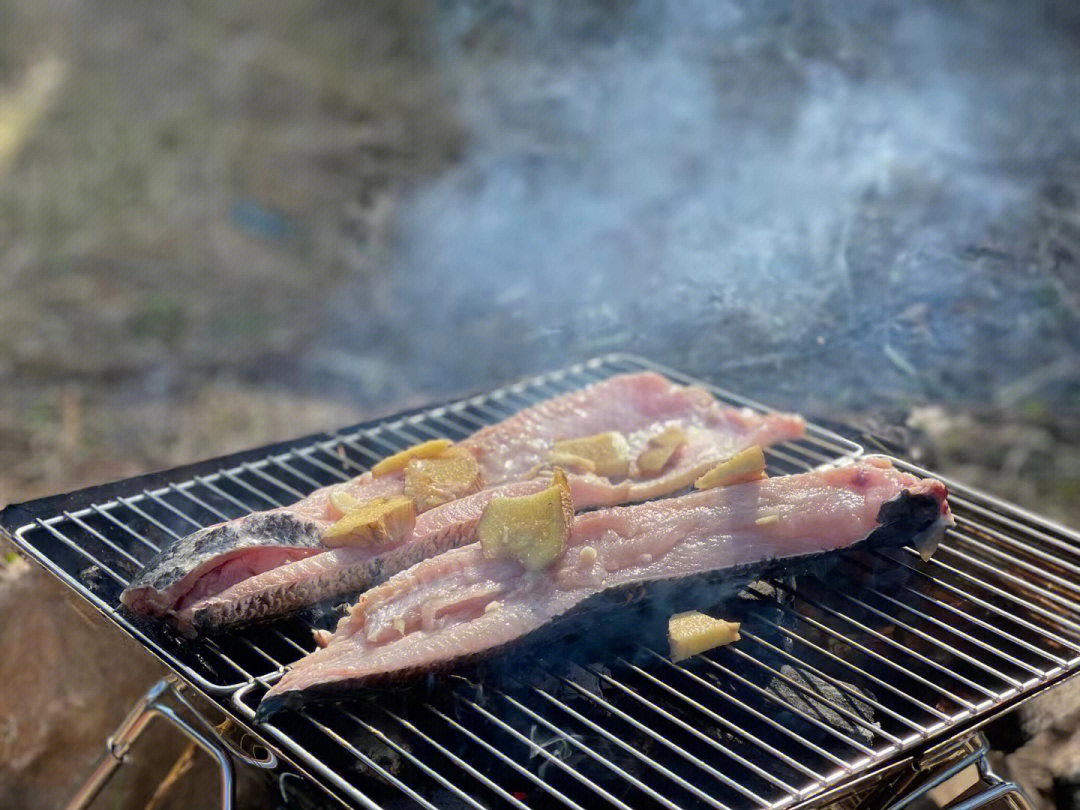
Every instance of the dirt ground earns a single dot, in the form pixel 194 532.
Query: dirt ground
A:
pixel 180 186
pixel 183 189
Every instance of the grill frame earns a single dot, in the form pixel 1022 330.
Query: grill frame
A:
pixel 28 524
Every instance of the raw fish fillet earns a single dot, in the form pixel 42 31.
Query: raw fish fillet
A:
pixel 460 605
pixel 270 563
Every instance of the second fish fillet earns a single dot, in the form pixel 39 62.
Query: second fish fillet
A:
pixel 461 605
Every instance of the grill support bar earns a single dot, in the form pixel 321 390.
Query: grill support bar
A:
pixel 148 707
pixel 968 751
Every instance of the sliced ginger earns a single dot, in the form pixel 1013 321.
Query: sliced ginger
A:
pixel 341 503
pixel 604 454
pixel 571 461
pixel 531 529
pixel 748 465
pixel 693 632
pixel 398 461
pixel 373 523
pixel 451 474
pixel 660 449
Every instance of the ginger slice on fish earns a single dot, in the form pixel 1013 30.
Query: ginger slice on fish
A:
pixel 693 632
pixel 579 463
pixel 399 460
pixel 447 476
pixel 603 453
pixel 748 465
pixel 657 454
pixel 373 523
pixel 532 529
pixel 341 503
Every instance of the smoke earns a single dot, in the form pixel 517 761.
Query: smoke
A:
pixel 836 199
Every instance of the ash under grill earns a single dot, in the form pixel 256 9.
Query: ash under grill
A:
pixel 826 686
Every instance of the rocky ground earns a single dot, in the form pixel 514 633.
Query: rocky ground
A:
pixel 218 228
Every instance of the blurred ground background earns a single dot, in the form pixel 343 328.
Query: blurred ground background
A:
pixel 182 186
pixel 179 186
pixel 227 224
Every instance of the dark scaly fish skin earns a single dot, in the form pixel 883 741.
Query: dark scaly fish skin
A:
pixel 262 529
pixel 272 603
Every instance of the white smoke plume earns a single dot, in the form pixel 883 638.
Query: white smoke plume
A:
pixel 786 197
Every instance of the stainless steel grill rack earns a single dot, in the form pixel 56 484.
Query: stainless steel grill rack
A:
pixel 827 688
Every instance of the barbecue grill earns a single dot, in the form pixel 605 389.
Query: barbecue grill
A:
pixel 864 696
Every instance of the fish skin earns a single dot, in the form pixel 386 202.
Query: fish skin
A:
pixel 188 555
pixel 511 449
pixel 894 508
pixel 292 530
pixel 343 570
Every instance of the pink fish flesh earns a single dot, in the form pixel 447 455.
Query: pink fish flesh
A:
pixel 459 605
pixel 269 563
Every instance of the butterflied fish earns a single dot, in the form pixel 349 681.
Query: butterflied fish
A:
pixel 462 604
pixel 656 436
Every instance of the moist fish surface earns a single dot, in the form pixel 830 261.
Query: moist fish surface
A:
pixel 270 563
pixel 460 605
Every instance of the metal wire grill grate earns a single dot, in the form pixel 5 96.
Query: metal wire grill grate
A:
pixel 826 683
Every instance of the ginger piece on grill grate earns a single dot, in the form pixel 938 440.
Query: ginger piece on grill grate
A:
pixel 693 632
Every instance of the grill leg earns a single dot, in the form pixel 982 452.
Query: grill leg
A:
pixel 995 789
pixel 992 788
pixel 117 746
